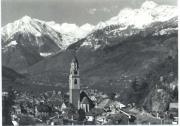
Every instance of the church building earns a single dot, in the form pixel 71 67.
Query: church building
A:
pixel 74 84
pixel 77 97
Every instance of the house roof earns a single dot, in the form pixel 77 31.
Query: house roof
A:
pixel 96 111
pixel 109 102
pixel 89 114
pixel 93 98
pixel 55 102
pixel 173 106
pixel 44 108
pixel 104 103
pixel 115 116
pixel 63 105
pixel 116 103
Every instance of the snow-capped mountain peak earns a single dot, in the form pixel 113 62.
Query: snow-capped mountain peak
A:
pixel 26 19
pixel 28 31
pixel 65 27
pixel 148 13
pixel 71 32
pixel 130 21
pixel 149 5
pixel 24 25
pixel 101 25
pixel 87 27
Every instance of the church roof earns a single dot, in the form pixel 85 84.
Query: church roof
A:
pixel 84 94
pixel 85 101
pixel 74 60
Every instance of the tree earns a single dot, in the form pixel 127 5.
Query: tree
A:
pixel 175 93
pixel 23 110
pixel 26 120
pixel 171 116
pixel 6 112
pixel 71 111
pixel 81 113
pixel 135 85
pixel 7 106
pixel 112 96
pixel 140 88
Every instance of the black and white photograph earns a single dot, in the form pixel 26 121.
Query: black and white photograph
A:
pixel 89 62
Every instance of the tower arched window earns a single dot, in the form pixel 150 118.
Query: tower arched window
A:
pixel 75 71
pixel 75 81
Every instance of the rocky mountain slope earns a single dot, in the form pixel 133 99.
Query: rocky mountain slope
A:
pixel 27 40
pixel 124 56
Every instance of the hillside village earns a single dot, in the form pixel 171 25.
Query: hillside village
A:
pixel 94 107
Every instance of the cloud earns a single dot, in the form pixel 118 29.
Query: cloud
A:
pixel 105 9
pixel 92 11
pixel 114 7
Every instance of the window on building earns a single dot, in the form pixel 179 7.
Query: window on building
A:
pixel 75 81
pixel 75 72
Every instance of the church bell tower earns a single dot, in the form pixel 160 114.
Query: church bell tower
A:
pixel 74 84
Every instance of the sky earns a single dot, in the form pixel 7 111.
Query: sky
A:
pixel 70 11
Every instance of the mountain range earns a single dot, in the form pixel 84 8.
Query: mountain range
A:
pixel 111 54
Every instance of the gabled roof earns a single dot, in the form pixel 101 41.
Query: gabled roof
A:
pixel 84 94
pixel 63 106
pixel 93 98
pixel 90 102
pixel 85 101
pixel 74 60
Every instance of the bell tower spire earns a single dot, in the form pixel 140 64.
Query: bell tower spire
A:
pixel 74 83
